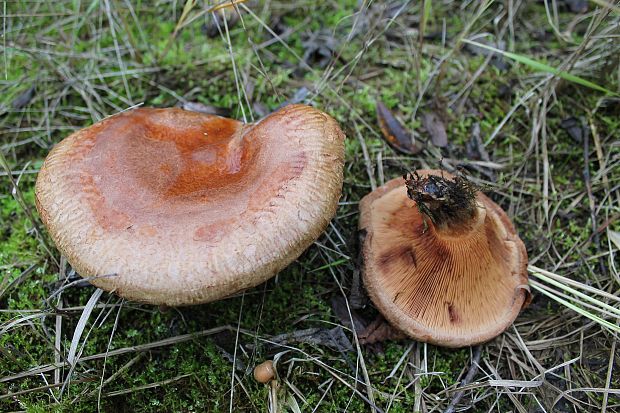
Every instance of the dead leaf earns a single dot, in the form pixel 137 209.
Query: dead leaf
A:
pixel 300 95
pixel 215 22
pixel 505 90
pixel 394 133
pixel 378 331
pixel 575 128
pixel 23 98
pixel 475 147
pixel 475 150
pixel 319 48
pixel 435 128
pixel 339 306
pixel 357 297
pixel 334 338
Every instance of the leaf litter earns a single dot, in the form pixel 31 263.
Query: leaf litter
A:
pixel 394 133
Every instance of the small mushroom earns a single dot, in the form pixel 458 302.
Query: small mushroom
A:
pixel 172 207
pixel 264 372
pixel 446 267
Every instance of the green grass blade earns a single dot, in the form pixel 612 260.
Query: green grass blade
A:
pixel 577 309
pixel 578 294
pixel 425 17
pixel 542 67
pixel 536 271
pixel 331 264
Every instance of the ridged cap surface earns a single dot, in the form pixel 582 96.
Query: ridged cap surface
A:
pixel 184 208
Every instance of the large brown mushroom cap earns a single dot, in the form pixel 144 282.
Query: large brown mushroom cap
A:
pixel 184 208
pixel 447 287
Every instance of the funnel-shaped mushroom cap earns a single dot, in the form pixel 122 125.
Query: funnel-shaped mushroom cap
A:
pixel 452 287
pixel 172 207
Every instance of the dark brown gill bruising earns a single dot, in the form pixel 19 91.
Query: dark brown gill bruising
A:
pixel 450 204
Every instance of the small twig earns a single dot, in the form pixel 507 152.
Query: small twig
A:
pixel 473 370
pixel 591 200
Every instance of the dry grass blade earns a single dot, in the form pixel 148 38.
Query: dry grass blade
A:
pixel 471 373
pixel 6 285
pixel 19 321
pixel 118 314
pixel 147 386
pixel 17 194
pixel 34 390
pixel 607 4
pixel 81 325
pixel 73 356
pixel 187 8
pixel 576 307
pixel 536 271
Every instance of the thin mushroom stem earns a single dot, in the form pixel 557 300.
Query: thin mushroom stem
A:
pixel 273 396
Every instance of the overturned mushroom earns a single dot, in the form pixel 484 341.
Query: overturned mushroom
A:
pixel 172 207
pixel 446 267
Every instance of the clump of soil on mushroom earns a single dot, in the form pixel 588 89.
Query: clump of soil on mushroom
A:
pixel 445 201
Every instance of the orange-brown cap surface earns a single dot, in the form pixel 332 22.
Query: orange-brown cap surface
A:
pixel 446 287
pixel 264 372
pixel 172 207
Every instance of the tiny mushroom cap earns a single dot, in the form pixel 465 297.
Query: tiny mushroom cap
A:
pixel 264 372
pixel 452 285
pixel 171 207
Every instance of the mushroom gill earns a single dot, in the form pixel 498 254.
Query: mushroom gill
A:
pixel 449 281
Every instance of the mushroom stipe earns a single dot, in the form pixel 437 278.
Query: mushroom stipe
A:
pixel 447 202
pixel 187 208
pixel 448 277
